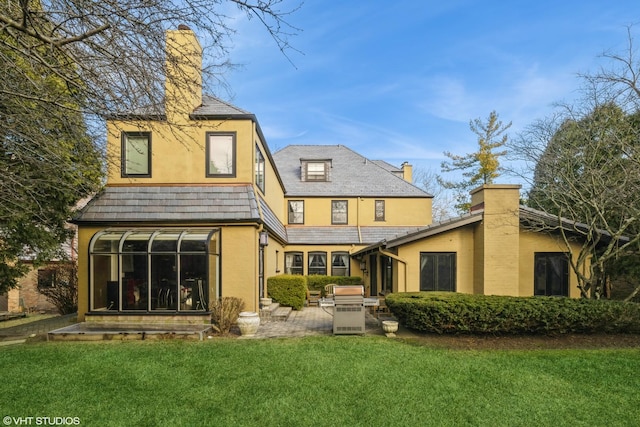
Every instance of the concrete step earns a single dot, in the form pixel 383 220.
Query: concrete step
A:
pixel 281 314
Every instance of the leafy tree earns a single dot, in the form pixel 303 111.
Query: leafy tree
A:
pixel 66 64
pixel 589 174
pixel 584 165
pixel 481 167
pixel 47 158
pixel 62 291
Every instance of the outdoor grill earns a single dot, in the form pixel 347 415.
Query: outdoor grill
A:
pixel 348 310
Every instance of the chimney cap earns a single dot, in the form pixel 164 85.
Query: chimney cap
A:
pixel 184 27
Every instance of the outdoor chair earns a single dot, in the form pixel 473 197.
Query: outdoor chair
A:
pixel 329 290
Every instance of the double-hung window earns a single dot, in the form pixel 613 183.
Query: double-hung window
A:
pixel 316 171
pixel 293 263
pixel 339 211
pixel 259 169
pixel 339 263
pixel 379 214
pixel 318 263
pixel 136 154
pixel 221 154
pixel 296 212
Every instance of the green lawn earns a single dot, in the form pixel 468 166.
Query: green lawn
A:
pixel 333 381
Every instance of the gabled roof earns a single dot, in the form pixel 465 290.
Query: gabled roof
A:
pixel 211 107
pixel 153 203
pixel 418 233
pixel 352 175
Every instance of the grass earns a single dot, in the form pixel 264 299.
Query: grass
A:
pixel 316 381
pixel 22 320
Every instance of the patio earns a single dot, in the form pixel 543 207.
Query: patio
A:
pixel 306 322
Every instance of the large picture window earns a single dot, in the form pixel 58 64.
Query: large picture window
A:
pixel 339 212
pixel 293 263
pixel 221 154
pixel 154 270
pixel 296 212
pixel 438 271
pixel 136 154
pixel 551 274
pixel 318 263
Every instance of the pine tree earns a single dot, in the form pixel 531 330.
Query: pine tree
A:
pixel 481 167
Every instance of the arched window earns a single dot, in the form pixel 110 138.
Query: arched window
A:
pixel 154 270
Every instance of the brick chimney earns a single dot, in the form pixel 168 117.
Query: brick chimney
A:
pixel 183 84
pixel 407 172
pixel 497 241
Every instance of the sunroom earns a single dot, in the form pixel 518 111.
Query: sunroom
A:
pixel 154 270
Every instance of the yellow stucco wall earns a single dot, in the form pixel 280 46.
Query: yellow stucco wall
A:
pixel 240 265
pixel 178 154
pixel 460 241
pixel 532 242
pixel 361 211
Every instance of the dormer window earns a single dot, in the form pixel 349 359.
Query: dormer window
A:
pixel 316 170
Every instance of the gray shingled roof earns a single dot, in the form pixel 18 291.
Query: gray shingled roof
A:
pixel 351 174
pixel 343 235
pixel 171 203
pixel 272 222
pixel 212 106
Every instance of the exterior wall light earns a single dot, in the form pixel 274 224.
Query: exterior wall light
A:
pixel 363 266
pixel 264 238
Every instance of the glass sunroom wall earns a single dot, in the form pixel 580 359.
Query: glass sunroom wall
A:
pixel 151 270
pixel 104 274
pixel 214 268
pixel 164 271
pixel 135 272
pixel 193 271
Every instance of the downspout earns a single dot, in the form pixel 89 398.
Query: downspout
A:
pixel 397 258
pixel 262 283
pixel 358 219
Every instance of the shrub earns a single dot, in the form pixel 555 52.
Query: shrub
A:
pixel 288 289
pixel 483 314
pixel 317 282
pixel 225 312
pixel 61 288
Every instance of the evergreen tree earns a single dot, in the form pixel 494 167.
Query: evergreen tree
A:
pixel 481 167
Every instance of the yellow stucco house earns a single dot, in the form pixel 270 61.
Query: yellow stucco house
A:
pixel 202 209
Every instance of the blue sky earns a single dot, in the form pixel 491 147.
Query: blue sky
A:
pixel 400 80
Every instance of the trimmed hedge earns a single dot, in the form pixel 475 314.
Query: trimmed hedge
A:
pixel 317 283
pixel 291 289
pixel 455 313
pixel 288 289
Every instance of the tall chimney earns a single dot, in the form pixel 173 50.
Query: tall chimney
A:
pixel 183 84
pixel 496 243
pixel 407 172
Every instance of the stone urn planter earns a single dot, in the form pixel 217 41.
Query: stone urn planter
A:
pixel 265 302
pixel 248 322
pixel 390 327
